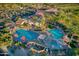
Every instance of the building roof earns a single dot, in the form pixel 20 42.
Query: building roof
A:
pixel 18 22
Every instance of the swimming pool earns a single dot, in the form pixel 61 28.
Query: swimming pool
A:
pixel 24 15
pixel 29 35
pixel 56 33
pixel 55 45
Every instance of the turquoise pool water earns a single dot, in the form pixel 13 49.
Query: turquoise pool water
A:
pixel 56 45
pixel 57 33
pixel 29 35
pixel 52 41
